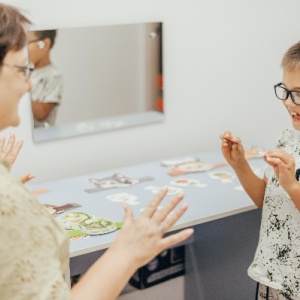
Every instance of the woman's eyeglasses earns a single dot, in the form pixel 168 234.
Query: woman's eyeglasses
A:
pixel 26 70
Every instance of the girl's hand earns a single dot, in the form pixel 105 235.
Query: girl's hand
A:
pixel 283 165
pixel 232 149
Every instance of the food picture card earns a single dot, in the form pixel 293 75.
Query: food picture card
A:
pixel 171 189
pixel 188 182
pixel 123 197
pixel 83 224
pixel 193 167
pixel 254 152
pixel 222 176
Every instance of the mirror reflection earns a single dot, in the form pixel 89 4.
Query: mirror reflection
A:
pixel 95 79
pixel 47 80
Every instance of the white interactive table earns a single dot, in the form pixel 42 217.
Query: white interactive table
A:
pixel 217 200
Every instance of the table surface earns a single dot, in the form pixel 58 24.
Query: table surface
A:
pixel 216 200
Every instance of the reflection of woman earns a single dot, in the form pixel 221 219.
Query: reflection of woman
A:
pixel 34 248
pixel 46 78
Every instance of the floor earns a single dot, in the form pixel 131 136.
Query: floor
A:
pixel 170 289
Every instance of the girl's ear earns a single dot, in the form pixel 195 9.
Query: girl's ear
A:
pixel 41 44
pixel 47 43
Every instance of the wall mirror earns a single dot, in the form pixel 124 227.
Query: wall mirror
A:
pixel 112 79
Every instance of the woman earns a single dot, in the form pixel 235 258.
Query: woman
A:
pixel 34 247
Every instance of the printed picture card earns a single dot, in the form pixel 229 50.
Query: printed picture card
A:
pixel 117 180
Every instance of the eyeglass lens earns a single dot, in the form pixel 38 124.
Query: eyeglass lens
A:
pixel 282 93
pixel 27 70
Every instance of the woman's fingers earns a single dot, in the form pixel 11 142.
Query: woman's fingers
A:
pixel 9 151
pixel 128 217
pixel 171 219
pixel 151 208
pixel 10 144
pixel 14 150
pixel 2 143
pixel 175 238
pixel 26 178
pixel 163 213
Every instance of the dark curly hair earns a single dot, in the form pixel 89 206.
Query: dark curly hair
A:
pixel 43 34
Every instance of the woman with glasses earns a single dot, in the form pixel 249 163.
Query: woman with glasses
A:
pixel 34 248
pixel 276 264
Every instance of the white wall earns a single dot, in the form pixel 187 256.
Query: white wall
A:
pixel 221 59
